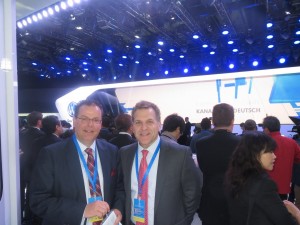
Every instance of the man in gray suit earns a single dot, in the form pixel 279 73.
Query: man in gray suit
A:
pixel 173 181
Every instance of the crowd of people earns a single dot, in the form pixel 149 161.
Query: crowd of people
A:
pixel 140 169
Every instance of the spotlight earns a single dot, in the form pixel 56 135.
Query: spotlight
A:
pixel 70 3
pixel 124 57
pixel 270 46
pixel 230 42
pixel 186 70
pixel 137 62
pixel 24 23
pixel 172 50
pixel 270 36
pixel 281 60
pixel 56 8
pixel 39 15
pixel 212 53
pixel 63 5
pixel 68 58
pixel 137 46
pixel 109 51
pixel 255 63
pixel 225 32
pixel 235 50
pixel 231 66
pixel 19 24
pixel 147 74
pixel 69 71
pixel 50 11
pixel 166 72
pixel 206 68
pixel 269 25
pixel 195 36
pixel 204 46
pixel 34 18
pixel 34 64
pixel 29 20
pixel 297 42
pixel 298 32
pixel 160 43
pixel 181 56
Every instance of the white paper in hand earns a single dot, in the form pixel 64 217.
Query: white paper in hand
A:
pixel 110 219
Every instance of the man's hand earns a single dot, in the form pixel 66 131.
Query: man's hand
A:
pixel 119 216
pixel 97 208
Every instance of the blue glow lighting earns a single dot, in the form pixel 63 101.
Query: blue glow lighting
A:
pixel 68 71
pixel 270 36
pixel 270 46
pixel 45 14
pixel 235 50
pixel 120 64
pixel 89 54
pixel 109 51
pixel 29 20
pixel 230 42
pixel 147 74
pixel 137 46
pixel 50 11
pixel 255 63
pixel 195 36
pixel 160 43
pixel 231 66
pixel 19 24
pixel 204 46
pixel 137 62
pixel 84 63
pixel 52 67
pixel 130 76
pixel 186 70
pixel 68 58
pixel 34 18
pixel 181 56
pixel 149 53
pixel 161 59
pixel 39 15
pixel 42 75
pixel 269 25
pixel 206 68
pixel 34 63
pixel 24 22
pixel 99 78
pixel 124 57
pixel 212 53
pixel 56 8
pixel 297 42
pixel 58 73
pixel 63 5
pixel 225 32
pixel 282 60
pixel 115 77
pixel 77 1
pixel 99 67
pixel 70 3
pixel 298 32
pixel 86 69
pixel 166 72
pixel 172 50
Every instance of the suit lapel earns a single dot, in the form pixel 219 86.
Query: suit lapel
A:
pixel 73 162
pixel 161 173
pixel 104 159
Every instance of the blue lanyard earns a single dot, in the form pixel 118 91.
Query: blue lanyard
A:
pixel 148 168
pixel 94 180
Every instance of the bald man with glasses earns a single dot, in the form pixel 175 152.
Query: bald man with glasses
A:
pixel 74 180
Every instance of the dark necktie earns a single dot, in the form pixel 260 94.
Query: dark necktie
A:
pixel 91 166
pixel 142 170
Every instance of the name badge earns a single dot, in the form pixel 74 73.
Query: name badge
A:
pixel 91 200
pixel 139 210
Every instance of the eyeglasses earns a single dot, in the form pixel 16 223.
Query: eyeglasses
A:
pixel 86 120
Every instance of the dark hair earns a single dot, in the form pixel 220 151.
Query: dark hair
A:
pixel 146 105
pixel 272 123
pixel 245 160
pixel 222 115
pixel 123 122
pixel 49 124
pixel 205 124
pixel 65 124
pixel 33 118
pixel 86 103
pixel 250 125
pixel 173 121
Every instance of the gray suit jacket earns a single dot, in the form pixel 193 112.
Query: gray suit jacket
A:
pixel 178 184
pixel 57 192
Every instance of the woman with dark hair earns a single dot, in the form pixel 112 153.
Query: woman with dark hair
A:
pixel 252 195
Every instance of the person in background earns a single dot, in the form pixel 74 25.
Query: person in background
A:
pixel 173 127
pixel 287 153
pixel 205 131
pixel 169 193
pixel 213 155
pixel 185 138
pixel 124 126
pixel 74 180
pixel 251 194
pixel 106 131
pixel 26 138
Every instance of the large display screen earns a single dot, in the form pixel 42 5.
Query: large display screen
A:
pixel 253 94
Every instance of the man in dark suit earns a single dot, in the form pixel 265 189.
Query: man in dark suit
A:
pixel 27 136
pixel 123 124
pixel 168 191
pixel 74 180
pixel 213 154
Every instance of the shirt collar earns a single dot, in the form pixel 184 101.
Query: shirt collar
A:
pixel 83 147
pixel 152 147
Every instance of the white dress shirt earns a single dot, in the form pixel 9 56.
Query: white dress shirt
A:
pixel 85 176
pixel 151 180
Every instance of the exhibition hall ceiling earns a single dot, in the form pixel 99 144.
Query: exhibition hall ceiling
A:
pixel 84 42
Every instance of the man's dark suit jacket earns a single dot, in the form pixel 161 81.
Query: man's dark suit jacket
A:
pixel 268 209
pixel 57 186
pixel 122 140
pixel 178 184
pixel 213 155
